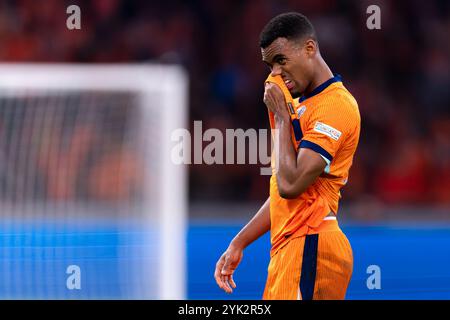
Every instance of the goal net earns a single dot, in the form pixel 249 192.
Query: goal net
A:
pixel 91 205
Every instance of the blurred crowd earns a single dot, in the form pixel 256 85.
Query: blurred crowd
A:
pixel 400 76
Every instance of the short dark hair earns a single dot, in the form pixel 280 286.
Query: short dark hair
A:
pixel 290 25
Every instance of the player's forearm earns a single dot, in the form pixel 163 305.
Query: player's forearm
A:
pixel 255 228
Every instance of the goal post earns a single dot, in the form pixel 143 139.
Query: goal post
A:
pixel 87 168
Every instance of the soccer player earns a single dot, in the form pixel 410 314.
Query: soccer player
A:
pixel 318 133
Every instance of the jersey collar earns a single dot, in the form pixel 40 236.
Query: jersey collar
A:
pixel 320 88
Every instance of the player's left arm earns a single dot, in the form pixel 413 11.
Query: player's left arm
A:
pixel 295 172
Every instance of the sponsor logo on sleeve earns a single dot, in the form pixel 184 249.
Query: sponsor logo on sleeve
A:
pixel 327 130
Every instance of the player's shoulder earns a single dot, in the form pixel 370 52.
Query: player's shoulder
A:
pixel 334 108
pixel 338 102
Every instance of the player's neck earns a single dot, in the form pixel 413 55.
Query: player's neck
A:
pixel 322 74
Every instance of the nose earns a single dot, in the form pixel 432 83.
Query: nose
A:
pixel 276 71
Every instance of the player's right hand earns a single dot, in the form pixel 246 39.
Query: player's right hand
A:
pixel 225 267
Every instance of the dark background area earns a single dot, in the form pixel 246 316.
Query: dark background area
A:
pixel 399 76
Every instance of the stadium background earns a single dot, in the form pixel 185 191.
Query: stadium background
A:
pixel 396 207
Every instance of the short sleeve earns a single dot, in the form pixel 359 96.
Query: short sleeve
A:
pixel 326 129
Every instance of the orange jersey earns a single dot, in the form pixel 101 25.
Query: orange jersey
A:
pixel 328 122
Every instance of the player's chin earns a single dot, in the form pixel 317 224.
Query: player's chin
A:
pixel 294 93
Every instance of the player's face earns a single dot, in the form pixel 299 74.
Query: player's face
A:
pixel 292 60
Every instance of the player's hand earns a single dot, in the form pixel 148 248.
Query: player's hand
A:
pixel 225 267
pixel 274 100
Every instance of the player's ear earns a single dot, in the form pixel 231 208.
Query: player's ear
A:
pixel 311 47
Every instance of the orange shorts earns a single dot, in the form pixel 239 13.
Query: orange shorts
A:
pixel 316 266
